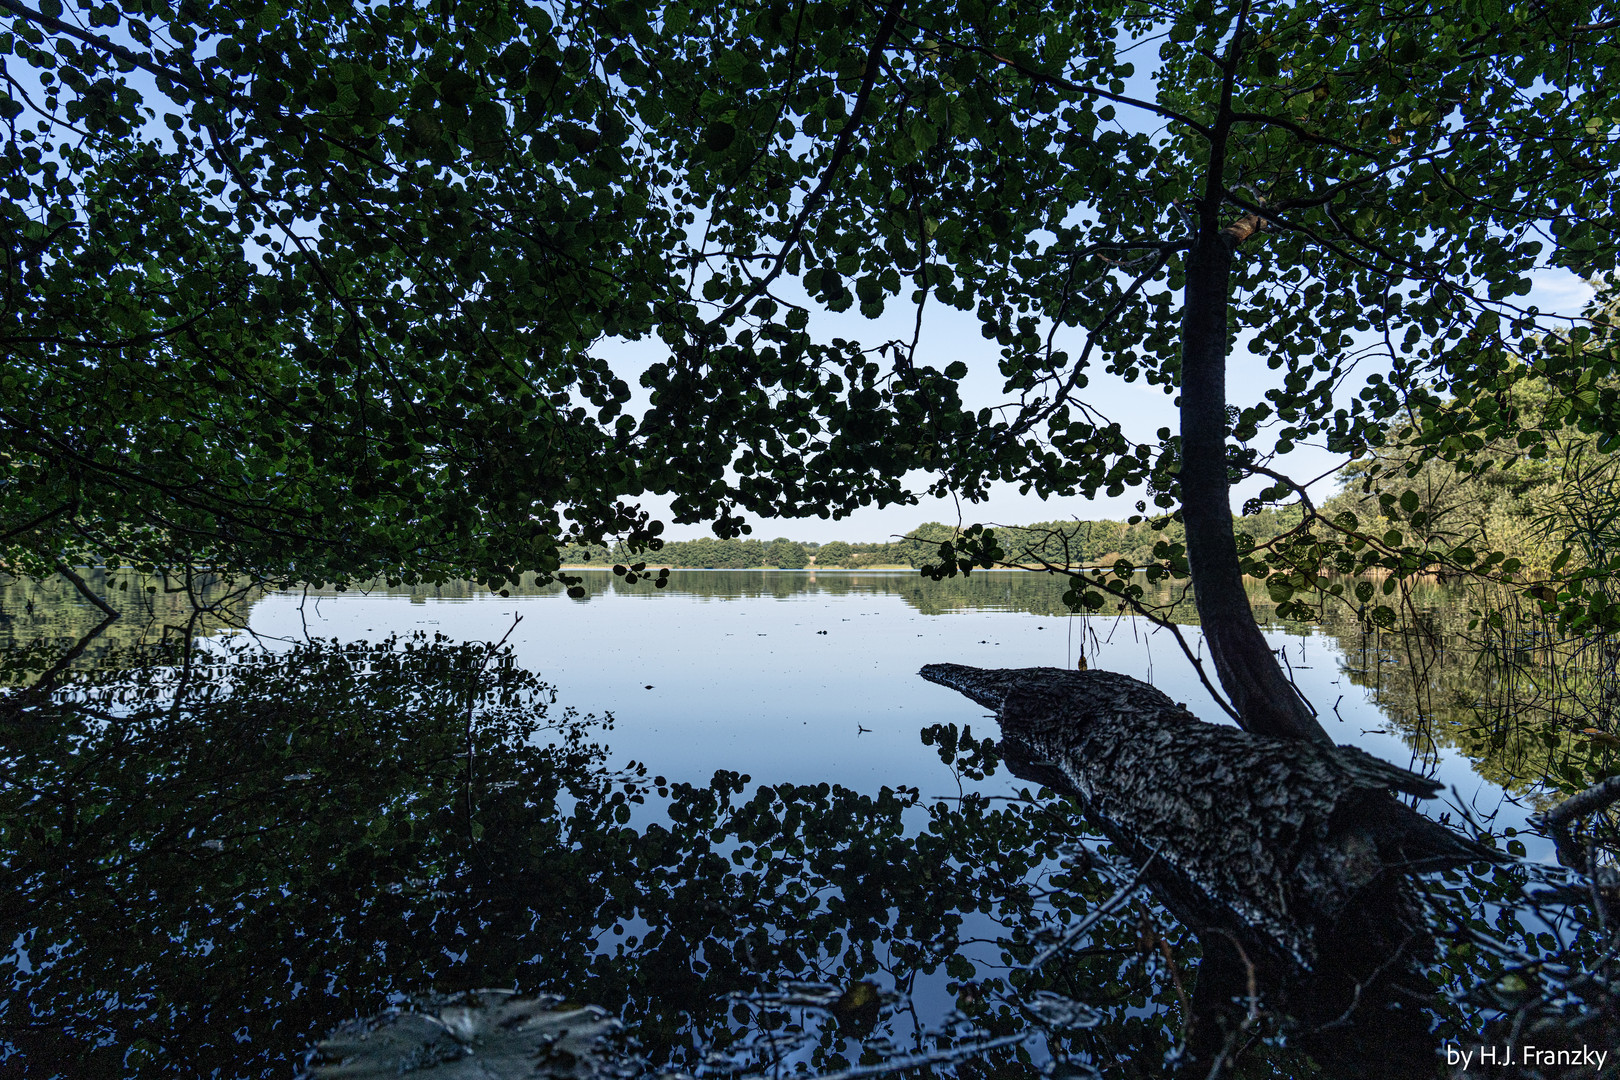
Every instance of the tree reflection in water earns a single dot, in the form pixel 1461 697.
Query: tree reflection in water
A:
pixel 207 870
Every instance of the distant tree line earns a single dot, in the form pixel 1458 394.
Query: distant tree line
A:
pixel 1058 543
pixel 710 553
pixel 839 555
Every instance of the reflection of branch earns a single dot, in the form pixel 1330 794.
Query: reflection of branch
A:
pixel 43 686
pixel 1344 1019
pixel 1121 897
pixel 1229 1048
pixel 1597 797
pixel 940 1056
pixel 1150 929
pixel 85 591
pixel 490 649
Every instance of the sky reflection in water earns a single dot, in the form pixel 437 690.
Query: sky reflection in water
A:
pixel 210 897
pixel 742 677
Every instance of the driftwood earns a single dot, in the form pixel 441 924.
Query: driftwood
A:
pixel 1285 833
pixel 1288 859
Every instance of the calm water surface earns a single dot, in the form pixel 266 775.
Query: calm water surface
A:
pixel 776 673
pixel 210 892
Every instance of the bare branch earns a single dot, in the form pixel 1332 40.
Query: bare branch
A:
pixel 1300 132
pixel 1147 613
pixel 85 590
pixel 1082 89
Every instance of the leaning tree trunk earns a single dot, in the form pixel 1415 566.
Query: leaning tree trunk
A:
pixel 1285 836
pixel 1288 860
pixel 1265 700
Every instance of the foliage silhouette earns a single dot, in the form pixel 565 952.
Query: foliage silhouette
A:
pixel 324 296
pixel 209 876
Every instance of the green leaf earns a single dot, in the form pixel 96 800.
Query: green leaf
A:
pixel 718 136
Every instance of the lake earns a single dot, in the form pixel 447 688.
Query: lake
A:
pixel 781 814
pixel 776 673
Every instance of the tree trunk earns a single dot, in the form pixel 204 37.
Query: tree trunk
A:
pixel 1287 860
pixel 1284 836
pixel 1264 698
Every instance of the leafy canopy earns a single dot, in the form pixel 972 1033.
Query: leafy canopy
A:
pixel 323 290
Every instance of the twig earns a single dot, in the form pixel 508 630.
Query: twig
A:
pixel 840 151
pixel 1599 796
pixel 472 698
pixel 939 1056
pixel 1229 1047
pixel 1121 897
pixel 42 686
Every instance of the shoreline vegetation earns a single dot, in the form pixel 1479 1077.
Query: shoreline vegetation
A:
pixel 1034 546
pixel 811 568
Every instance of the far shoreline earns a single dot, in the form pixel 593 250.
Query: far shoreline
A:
pixel 651 567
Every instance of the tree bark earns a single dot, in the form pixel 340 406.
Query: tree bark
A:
pixel 1285 836
pixel 1264 698
pixel 1288 860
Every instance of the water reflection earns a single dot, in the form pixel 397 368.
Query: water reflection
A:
pixel 207 878
pixel 209 867
pixel 733 654
pixel 51 621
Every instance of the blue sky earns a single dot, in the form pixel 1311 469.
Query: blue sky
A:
pixel 1140 409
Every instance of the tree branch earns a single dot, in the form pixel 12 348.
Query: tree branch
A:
pixel 196 84
pixel 1157 620
pixel 841 149
pixel 1215 177
pixel 146 338
pixel 1065 84
pixel 85 591
pixel 101 44
pixel 1023 424
pixel 1300 132
pixel 37 522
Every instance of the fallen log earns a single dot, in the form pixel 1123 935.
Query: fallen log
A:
pixel 1285 834
pixel 1289 860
